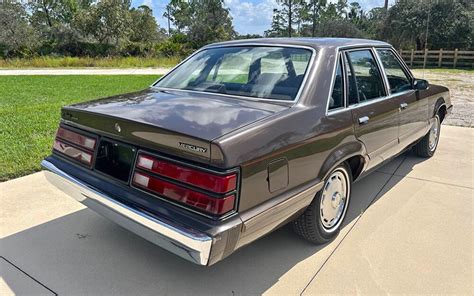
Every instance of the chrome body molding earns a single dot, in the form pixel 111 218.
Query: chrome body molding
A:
pixel 184 242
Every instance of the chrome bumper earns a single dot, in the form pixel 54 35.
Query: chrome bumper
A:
pixel 186 243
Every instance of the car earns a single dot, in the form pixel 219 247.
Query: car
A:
pixel 244 137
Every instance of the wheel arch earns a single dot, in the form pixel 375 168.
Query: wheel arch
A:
pixel 440 108
pixel 354 154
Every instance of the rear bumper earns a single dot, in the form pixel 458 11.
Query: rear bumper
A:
pixel 184 242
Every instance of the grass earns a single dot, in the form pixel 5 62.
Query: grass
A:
pixel 81 62
pixel 30 111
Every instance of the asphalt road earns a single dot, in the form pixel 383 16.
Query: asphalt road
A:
pixel 409 230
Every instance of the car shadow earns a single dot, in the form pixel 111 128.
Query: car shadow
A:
pixel 83 253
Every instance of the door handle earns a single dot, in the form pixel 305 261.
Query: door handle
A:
pixel 403 106
pixel 363 120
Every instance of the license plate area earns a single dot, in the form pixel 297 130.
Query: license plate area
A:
pixel 115 159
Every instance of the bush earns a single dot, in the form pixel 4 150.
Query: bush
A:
pixel 339 28
pixel 169 48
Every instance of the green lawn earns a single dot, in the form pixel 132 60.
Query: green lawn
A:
pixel 30 110
pixel 80 62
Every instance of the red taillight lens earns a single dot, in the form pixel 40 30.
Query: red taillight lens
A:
pixel 204 180
pixel 75 138
pixel 73 152
pixel 216 206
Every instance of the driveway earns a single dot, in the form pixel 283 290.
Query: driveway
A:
pixel 409 230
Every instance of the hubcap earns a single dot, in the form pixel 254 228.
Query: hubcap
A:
pixel 434 134
pixel 334 199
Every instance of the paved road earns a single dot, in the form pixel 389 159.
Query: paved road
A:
pixel 408 230
pixel 85 71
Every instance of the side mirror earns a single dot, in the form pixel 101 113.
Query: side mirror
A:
pixel 420 84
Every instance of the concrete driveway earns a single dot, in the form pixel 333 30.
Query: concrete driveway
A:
pixel 409 230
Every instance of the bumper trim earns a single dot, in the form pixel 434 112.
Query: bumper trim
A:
pixel 184 242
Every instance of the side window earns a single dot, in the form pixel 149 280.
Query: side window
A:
pixel 397 78
pixel 337 97
pixel 365 76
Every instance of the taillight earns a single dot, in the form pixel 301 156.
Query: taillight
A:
pixel 216 206
pixel 204 180
pixel 73 152
pixel 75 145
pixel 75 138
pixel 219 200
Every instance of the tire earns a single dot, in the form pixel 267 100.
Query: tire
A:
pixel 427 146
pixel 314 225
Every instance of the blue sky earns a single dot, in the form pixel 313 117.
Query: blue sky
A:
pixel 249 16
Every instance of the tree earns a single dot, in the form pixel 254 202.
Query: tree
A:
pixel 16 34
pixel 288 12
pixel 339 28
pixel 143 25
pixel 180 13
pixel 204 21
pixel 107 21
pixel 313 11
pixel 278 27
pixel 445 24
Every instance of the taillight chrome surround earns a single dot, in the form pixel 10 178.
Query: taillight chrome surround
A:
pixel 152 175
pixel 75 145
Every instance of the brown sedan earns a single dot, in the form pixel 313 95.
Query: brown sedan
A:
pixel 243 137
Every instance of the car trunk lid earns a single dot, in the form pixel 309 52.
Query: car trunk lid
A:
pixel 175 122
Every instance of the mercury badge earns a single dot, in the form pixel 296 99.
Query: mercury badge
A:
pixel 192 147
pixel 117 127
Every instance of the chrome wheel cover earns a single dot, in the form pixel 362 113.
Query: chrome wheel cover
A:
pixel 434 134
pixel 334 200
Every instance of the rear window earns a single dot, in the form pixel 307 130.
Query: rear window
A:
pixel 260 72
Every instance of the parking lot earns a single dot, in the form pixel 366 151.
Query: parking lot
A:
pixel 409 230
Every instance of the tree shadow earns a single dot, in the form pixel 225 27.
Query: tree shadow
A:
pixel 83 253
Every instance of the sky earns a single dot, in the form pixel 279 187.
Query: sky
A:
pixel 249 16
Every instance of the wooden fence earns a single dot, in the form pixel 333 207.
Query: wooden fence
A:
pixel 438 58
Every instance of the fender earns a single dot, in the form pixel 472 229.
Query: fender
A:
pixel 341 154
pixel 439 104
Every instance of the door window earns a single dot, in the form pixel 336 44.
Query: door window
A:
pixel 337 97
pixel 398 80
pixel 365 81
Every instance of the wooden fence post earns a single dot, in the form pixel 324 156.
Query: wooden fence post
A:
pixel 440 58
pixel 411 57
pixel 425 57
pixel 455 58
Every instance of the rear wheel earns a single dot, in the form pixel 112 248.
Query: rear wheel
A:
pixel 322 220
pixel 427 146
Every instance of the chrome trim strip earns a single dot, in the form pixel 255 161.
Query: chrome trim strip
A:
pixel 355 106
pixel 300 90
pixel 184 242
pixel 381 72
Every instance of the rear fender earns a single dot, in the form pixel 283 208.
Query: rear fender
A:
pixel 341 154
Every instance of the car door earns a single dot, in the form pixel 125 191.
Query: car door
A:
pixel 375 115
pixel 412 118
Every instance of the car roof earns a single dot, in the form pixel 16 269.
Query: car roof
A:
pixel 311 42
